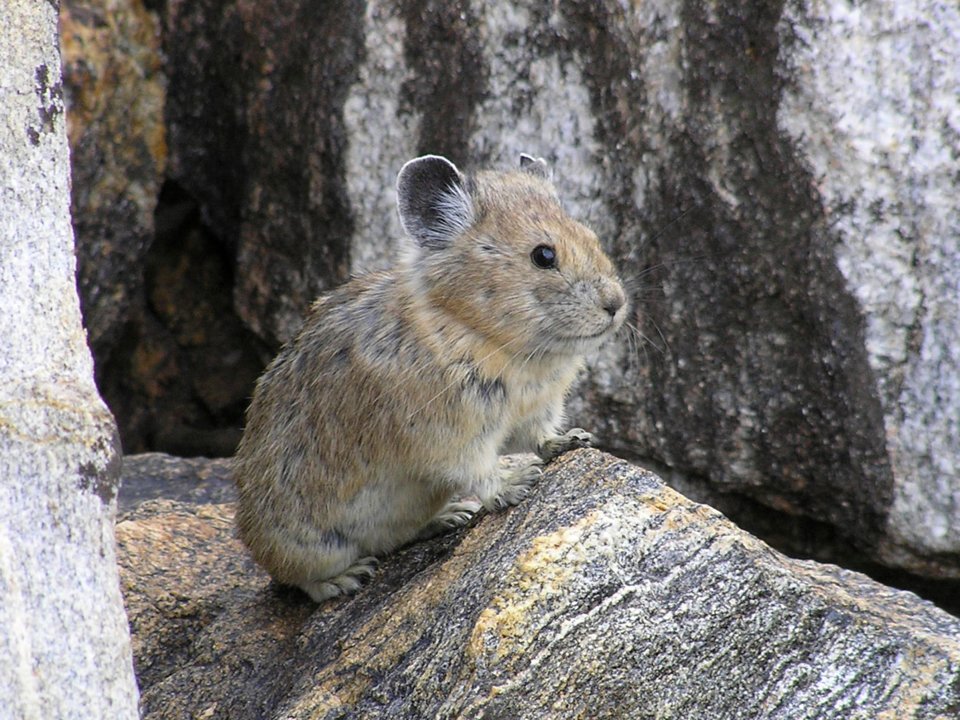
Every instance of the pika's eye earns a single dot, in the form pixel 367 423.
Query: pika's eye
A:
pixel 544 257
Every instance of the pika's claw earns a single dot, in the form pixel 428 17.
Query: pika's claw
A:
pixel 453 515
pixel 516 486
pixel 349 581
pixel 573 439
pixel 456 514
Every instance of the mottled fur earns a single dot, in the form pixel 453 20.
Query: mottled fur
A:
pixel 403 387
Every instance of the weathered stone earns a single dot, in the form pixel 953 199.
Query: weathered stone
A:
pixel 114 89
pixel 256 131
pixel 173 361
pixel 154 476
pixel 707 145
pixel 186 365
pixel 873 105
pixel 64 644
pixel 605 595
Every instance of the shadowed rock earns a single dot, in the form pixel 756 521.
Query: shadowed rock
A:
pixel 115 91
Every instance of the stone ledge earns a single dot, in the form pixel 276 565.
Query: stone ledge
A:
pixel 605 595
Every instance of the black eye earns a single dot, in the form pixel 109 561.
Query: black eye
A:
pixel 544 257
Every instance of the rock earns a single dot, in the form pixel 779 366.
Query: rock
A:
pixel 257 137
pixel 605 595
pixel 781 362
pixel 186 370
pixel 115 90
pixel 153 476
pixel 874 110
pixel 174 362
pixel 64 643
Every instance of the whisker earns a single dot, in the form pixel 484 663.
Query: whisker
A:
pixel 641 336
pixel 633 350
pixel 666 345
pixel 673 222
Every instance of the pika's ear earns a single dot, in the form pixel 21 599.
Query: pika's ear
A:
pixel 433 203
pixel 534 166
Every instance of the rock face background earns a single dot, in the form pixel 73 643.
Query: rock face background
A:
pixel 777 182
pixel 116 90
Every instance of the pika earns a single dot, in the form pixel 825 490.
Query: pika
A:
pixel 403 387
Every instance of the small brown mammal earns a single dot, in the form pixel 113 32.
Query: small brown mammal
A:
pixel 403 387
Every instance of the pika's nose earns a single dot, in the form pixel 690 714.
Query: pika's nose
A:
pixel 612 298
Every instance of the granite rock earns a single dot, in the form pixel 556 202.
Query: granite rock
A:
pixel 604 595
pixel 114 89
pixel 64 643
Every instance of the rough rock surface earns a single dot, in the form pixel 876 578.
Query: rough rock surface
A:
pixel 885 82
pixel 776 181
pixel 114 89
pixel 156 476
pixel 64 643
pixel 242 76
pixel 186 366
pixel 173 361
pixel 605 595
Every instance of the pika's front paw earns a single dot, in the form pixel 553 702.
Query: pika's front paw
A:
pixel 516 486
pixel 349 581
pixel 573 439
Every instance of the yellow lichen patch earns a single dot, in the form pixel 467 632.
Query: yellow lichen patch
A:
pixel 907 699
pixel 322 699
pixel 679 513
pixel 381 643
pixel 541 561
pixel 540 573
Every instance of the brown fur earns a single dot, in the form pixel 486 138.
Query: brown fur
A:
pixel 403 386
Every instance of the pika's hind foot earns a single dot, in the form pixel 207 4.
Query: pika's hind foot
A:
pixel 573 439
pixel 454 514
pixel 515 486
pixel 349 581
